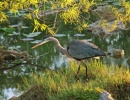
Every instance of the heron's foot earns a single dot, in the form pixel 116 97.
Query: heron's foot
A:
pixel 77 77
pixel 87 78
pixel 84 78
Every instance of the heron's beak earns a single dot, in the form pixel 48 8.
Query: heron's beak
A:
pixel 43 42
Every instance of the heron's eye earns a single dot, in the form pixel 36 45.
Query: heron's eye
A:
pixel 67 48
pixel 45 37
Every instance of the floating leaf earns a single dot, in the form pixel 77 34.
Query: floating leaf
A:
pixel 79 35
pixel 9 30
pixel 14 25
pixel 116 3
pixel 59 35
pixel 36 41
pixel 17 25
pixel 33 34
pixel 25 27
pixel 14 47
pixel 27 39
pixel 14 33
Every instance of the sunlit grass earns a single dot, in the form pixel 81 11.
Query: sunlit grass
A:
pixel 61 84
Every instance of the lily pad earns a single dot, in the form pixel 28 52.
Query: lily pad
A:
pixel 14 47
pixel 59 35
pixel 20 24
pixel 79 35
pixel 14 25
pixel 116 4
pixel 27 39
pixel 25 27
pixel 36 41
pixel 14 33
pixel 33 34
pixel 8 30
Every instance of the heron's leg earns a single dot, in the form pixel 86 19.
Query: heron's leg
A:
pixel 78 70
pixel 86 69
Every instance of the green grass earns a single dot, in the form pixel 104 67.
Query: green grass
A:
pixel 61 84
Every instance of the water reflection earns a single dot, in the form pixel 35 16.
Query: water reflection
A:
pixel 8 93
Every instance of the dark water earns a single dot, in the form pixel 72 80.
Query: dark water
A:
pixel 47 55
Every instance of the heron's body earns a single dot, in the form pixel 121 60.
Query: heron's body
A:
pixel 77 49
pixel 81 49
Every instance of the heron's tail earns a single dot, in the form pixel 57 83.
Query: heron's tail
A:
pixel 107 53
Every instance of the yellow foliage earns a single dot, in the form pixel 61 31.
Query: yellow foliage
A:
pixel 36 12
pixel 123 15
pixel 81 26
pixel 34 2
pixel 43 27
pixel 113 27
pixel 3 17
pixel 86 4
pixel 70 11
pixel 65 3
pixel 36 25
pixel 3 5
pixel 71 15
pixel 14 9
pixel 50 30
pixel 84 25
pixel 28 16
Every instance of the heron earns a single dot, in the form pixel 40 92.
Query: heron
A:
pixel 76 49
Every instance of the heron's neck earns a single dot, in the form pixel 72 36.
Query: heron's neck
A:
pixel 59 47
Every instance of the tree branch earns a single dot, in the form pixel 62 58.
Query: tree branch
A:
pixel 21 63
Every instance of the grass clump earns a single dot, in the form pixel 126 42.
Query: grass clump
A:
pixel 61 84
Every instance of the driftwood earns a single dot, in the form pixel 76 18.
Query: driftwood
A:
pixel 21 63
pixel 7 57
pixel 107 25
pixel 13 54
pixel 108 29
pixel 43 13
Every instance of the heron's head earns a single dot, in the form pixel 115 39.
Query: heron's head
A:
pixel 44 40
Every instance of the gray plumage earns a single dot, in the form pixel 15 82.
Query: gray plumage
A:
pixel 81 49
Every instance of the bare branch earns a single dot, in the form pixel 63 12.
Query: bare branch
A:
pixel 21 63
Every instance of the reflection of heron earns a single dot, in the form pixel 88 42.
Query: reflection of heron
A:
pixel 77 49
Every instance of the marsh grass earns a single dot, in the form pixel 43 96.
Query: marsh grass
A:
pixel 61 84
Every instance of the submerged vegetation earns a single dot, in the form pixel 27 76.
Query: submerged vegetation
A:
pixel 62 84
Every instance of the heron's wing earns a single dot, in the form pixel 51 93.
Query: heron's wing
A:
pixel 81 49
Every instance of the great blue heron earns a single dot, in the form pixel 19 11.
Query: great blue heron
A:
pixel 76 49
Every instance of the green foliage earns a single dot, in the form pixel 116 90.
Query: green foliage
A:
pixel 62 84
pixel 77 94
pixel 8 30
